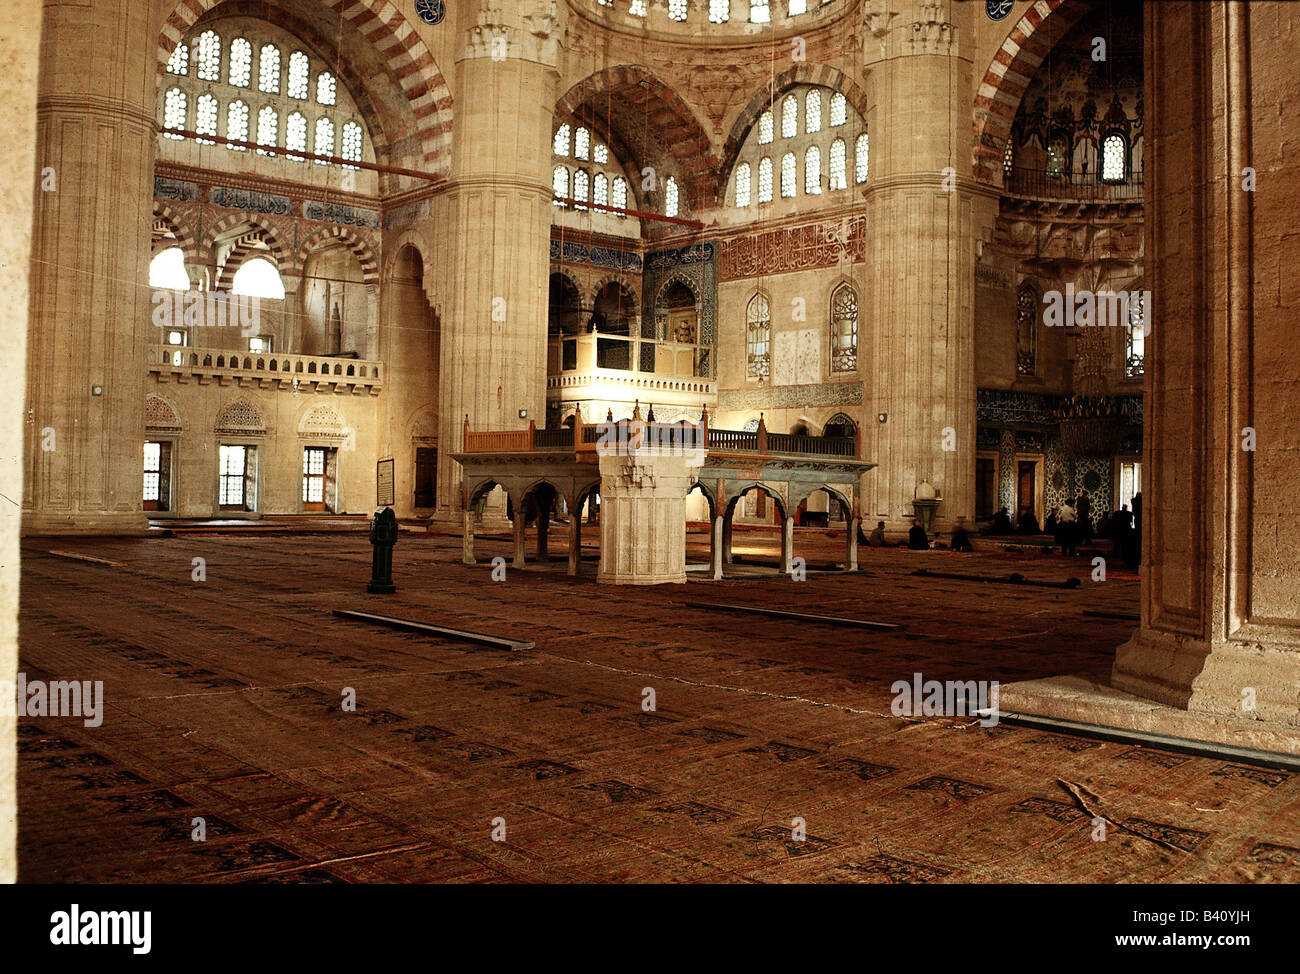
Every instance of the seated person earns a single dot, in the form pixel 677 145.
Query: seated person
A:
pixel 916 538
pixel 1001 523
pixel 877 539
pixel 960 539
pixel 1028 524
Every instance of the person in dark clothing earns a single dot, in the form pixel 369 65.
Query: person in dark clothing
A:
pixel 1085 516
pixel 1001 523
pixel 1028 524
pixel 877 539
pixel 1049 526
pixel 960 539
pixel 916 539
pixel 1133 543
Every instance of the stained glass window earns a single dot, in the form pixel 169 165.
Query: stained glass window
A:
pixel 844 329
pixel 758 338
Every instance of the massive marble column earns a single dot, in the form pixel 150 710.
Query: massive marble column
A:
pixel 1220 632
pixel 924 206
pixel 90 308
pixel 20 33
pixel 497 215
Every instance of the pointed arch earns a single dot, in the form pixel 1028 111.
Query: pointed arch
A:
pixel 356 243
pixel 284 257
pixel 392 36
pixel 677 134
pixel 802 73
pixel 998 97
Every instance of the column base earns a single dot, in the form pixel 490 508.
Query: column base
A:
pixel 89 523
pixel 1248 680
pixel 1083 701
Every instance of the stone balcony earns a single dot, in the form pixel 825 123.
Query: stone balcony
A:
pixel 265 370
pixel 620 368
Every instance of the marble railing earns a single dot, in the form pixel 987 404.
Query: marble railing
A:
pixel 180 363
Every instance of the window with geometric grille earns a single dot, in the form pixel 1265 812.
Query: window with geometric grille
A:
pixel 844 329
pixel 299 75
pixel 205 117
pixel 268 125
pixel 179 62
pixel 789 117
pixel 1114 149
pixel 812 171
pixel 268 70
pixel 241 62
pixel 765 180
pixel 351 143
pixel 237 124
pixel 862 158
pixel 208 51
pixel 1027 330
pixel 758 338
pixel 1135 336
pixel 787 174
pixel 838 178
pixel 157 476
pixel 759 12
pixel 315 469
pixel 812 118
pixel 295 134
pixel 175 107
pixel 765 128
pixel 742 184
pixel 324 141
pixel 719 11
pixel 671 197
pixel 839 109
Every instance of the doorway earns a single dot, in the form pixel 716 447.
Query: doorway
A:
pixel 426 475
pixel 318 480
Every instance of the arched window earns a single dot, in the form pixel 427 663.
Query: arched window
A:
pixel 268 69
pixel 1114 150
pixel 719 11
pixel 620 195
pixel 797 7
pixel 560 184
pixel 787 175
pixel 167 269
pixel 241 62
pixel 600 154
pixel 742 184
pixel 324 141
pixel 1135 336
pixel 258 278
pixel 581 187
pixel 1009 156
pixel 812 171
pixel 839 179
pixel 175 111
pixel 839 109
pixel 677 10
pixel 561 145
pixel 812 112
pixel 637 8
pixel 295 134
pixel 582 144
pixel 765 128
pixel 351 143
pixel 205 117
pixel 237 124
pixel 268 128
pixel 1027 330
pixel 326 90
pixel 600 189
pixel 759 13
pixel 208 54
pixel 179 62
pixel 844 329
pixel 299 75
pixel 765 180
pixel 670 197
pixel 758 338
pixel 1058 152
pixel 789 117
pixel 861 158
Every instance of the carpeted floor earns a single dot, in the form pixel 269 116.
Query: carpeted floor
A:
pixel 225 702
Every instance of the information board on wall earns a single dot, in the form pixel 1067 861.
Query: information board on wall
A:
pixel 385 495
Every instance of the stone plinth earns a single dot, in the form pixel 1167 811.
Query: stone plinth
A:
pixel 643 515
pixel 1084 701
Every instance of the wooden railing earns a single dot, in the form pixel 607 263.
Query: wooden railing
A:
pixel 1072 186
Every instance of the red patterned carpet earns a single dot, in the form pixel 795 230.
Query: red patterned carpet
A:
pixel 224 702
